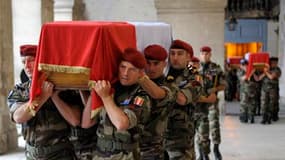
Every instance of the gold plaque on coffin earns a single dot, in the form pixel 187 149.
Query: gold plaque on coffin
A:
pixel 66 77
pixel 259 66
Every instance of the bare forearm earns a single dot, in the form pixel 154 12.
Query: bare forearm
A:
pixel 270 76
pixel 27 110
pixel 69 113
pixel 22 114
pixel 87 122
pixel 116 114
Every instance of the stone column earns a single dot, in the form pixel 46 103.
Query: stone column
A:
pixel 78 10
pixel 47 10
pixel 282 49
pixel 63 10
pixel 8 132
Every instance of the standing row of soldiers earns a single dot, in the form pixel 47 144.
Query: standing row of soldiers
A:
pixel 260 88
pixel 149 114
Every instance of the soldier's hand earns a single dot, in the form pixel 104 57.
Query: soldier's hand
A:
pixel 103 88
pixel 181 99
pixel 47 89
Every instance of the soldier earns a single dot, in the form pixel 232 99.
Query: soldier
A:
pixel 247 93
pixel 213 82
pixel 180 131
pixel 163 95
pixel 46 132
pixel 270 91
pixel 201 118
pixel 231 79
pixel 121 119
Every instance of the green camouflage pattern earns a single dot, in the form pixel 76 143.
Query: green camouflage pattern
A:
pixel 151 145
pixel 84 142
pixel 213 75
pixel 247 95
pixel 47 131
pixel 122 145
pixel 270 94
pixel 180 131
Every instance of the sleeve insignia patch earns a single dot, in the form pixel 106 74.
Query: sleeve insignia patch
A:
pixel 138 101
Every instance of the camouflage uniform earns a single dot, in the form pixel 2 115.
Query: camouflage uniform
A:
pixel 270 96
pixel 247 97
pixel 258 94
pixel 151 144
pixel 180 132
pixel 202 125
pixel 46 134
pixel 217 78
pixel 231 88
pixel 123 145
pixel 84 141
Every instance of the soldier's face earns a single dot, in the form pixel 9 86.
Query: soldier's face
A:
pixel 205 56
pixel 28 62
pixel 154 68
pixel 128 73
pixel 273 64
pixel 179 58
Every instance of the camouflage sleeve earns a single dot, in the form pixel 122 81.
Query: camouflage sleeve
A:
pixel 169 98
pixel 139 109
pixel 278 71
pixel 20 94
pixel 192 91
pixel 221 76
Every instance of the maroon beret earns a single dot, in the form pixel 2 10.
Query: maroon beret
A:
pixel 135 57
pixel 28 50
pixel 155 52
pixel 195 59
pixel 179 44
pixel 205 49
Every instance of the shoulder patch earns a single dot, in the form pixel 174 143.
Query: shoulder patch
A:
pixel 169 78
pixel 138 101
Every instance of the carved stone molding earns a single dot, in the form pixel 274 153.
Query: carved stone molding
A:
pixel 63 10
pixel 189 6
pixel 47 10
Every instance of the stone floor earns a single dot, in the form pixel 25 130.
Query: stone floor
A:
pixel 239 141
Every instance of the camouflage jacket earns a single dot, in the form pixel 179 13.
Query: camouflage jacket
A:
pixel 151 144
pixel 271 83
pixel 212 76
pixel 248 86
pixel 180 126
pixel 160 108
pixel 137 105
pixel 47 127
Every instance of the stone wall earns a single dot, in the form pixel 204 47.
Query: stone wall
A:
pixel 197 22
pixel 120 10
